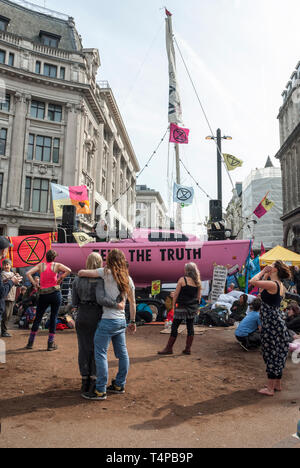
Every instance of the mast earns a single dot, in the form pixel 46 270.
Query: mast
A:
pixel 175 112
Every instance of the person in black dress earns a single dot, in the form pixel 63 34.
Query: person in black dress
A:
pixel 274 334
pixel 186 301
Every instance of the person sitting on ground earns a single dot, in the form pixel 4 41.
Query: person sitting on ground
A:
pixel 18 305
pixel 248 332
pixel 239 308
pixel 231 288
pixel 293 318
pixel 143 313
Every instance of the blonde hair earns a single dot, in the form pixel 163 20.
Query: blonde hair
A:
pixel 94 261
pixel 193 272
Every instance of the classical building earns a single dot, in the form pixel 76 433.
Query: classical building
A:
pixel 151 209
pixel 289 157
pixel 269 228
pixel 233 216
pixel 57 124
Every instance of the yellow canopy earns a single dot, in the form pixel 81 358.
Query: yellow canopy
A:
pixel 280 253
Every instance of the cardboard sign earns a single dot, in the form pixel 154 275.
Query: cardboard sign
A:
pixel 219 282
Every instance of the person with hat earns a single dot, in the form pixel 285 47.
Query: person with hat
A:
pixel 5 287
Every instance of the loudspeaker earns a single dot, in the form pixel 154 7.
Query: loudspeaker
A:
pixel 215 210
pixel 69 215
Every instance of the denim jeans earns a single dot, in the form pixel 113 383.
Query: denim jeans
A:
pixel 107 331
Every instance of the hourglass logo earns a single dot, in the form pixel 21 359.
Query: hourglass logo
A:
pixel 2 352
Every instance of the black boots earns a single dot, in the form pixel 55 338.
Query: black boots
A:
pixel 88 385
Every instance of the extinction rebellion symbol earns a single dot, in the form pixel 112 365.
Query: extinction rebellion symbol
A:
pixel 184 194
pixel 180 136
pixel 32 250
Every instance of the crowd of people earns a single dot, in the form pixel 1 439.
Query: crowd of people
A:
pixel 100 295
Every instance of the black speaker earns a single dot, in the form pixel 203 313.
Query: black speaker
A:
pixel 69 215
pixel 215 210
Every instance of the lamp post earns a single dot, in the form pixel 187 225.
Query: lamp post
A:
pixel 218 140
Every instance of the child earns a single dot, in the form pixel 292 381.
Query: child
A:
pixel 7 274
pixel 247 333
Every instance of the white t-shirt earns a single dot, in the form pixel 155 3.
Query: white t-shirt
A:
pixel 112 291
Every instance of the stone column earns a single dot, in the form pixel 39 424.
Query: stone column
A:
pixel 118 187
pixel 110 170
pixel 16 157
pixel 297 169
pixel 71 152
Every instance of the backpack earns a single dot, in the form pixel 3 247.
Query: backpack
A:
pixel 217 318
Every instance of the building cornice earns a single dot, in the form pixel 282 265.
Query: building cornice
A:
pixel 288 142
pixel 291 214
pixel 57 83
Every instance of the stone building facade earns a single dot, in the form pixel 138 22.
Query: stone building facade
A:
pixel 289 157
pixel 151 209
pixel 57 124
pixel 233 216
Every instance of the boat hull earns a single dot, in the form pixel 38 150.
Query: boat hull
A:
pixel 163 261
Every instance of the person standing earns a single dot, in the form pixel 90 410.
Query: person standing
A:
pixel 112 326
pixel 88 295
pixel 274 334
pixel 188 297
pixel 49 295
pixel 14 281
pixel 10 299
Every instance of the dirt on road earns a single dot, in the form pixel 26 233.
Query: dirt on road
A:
pixel 208 399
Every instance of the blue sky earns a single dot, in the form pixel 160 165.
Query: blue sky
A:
pixel 241 54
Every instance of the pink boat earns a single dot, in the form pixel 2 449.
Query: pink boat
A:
pixel 160 255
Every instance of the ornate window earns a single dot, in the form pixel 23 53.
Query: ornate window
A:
pixel 49 39
pixel 37 195
pixel 5 106
pixel 44 149
pixel 3 139
pixel 54 113
pixel 37 110
pixel 4 23
pixel 50 70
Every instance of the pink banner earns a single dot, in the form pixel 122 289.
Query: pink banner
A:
pixel 79 194
pixel 179 135
pixel 260 211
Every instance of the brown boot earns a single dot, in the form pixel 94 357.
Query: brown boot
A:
pixel 169 348
pixel 189 342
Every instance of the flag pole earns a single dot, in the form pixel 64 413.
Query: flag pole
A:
pixel 174 102
pixel 178 181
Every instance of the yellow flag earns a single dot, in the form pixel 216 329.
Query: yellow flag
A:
pixel 82 238
pixel 232 162
pixel 156 286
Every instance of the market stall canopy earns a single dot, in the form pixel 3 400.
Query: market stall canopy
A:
pixel 280 253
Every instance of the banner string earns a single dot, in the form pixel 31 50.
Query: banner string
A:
pixel 202 108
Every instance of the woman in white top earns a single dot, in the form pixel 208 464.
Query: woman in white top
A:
pixel 112 327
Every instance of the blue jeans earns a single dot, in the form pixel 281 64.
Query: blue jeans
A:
pixel 107 331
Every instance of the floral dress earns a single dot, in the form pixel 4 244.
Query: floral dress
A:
pixel 274 334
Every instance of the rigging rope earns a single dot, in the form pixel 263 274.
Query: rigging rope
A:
pixel 141 172
pixel 202 108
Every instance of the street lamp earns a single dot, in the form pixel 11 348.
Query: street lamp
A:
pixel 219 139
